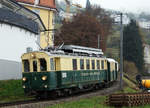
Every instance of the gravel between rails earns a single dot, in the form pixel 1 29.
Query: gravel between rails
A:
pixel 47 103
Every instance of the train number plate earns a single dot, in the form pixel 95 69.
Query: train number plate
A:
pixel 64 75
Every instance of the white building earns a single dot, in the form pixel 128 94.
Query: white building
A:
pixel 144 24
pixel 147 56
pixel 19 29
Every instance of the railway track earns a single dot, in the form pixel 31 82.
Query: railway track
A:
pixel 18 102
pixel 44 103
pixel 129 99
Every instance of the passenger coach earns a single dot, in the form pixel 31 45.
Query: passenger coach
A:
pixel 66 70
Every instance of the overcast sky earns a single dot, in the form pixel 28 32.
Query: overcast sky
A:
pixel 123 5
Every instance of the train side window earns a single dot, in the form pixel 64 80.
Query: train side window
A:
pixel 74 62
pixel 98 64
pixel 52 64
pixel 102 64
pixel 82 64
pixel 34 66
pixel 43 64
pixel 93 64
pixel 87 64
pixel 26 65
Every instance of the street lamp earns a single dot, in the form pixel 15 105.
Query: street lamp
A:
pixel 121 50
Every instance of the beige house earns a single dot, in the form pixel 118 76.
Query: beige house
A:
pixel 46 9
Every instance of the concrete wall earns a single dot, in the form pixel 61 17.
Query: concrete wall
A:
pixel 10 70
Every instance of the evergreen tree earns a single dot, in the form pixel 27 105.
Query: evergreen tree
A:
pixel 88 5
pixel 133 49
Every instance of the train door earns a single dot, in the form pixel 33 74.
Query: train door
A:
pixel 35 76
pixel 53 73
pixel 109 73
pixel 116 71
pixel 57 64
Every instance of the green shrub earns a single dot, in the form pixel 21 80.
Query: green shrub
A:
pixel 130 69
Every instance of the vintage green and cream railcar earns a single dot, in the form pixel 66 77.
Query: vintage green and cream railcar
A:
pixel 62 73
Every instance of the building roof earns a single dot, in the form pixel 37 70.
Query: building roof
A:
pixel 21 10
pixel 12 18
pixel 43 3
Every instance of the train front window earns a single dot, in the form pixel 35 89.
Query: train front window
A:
pixel 26 66
pixel 35 66
pixel 43 64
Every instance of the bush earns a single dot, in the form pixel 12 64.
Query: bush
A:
pixel 130 69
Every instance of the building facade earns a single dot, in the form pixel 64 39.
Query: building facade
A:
pixel 46 10
pixel 17 32
pixel 147 57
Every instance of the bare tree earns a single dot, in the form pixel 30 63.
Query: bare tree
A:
pixel 84 29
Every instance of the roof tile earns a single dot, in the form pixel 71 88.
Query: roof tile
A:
pixel 44 3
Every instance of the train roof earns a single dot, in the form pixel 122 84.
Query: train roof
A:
pixel 62 54
pixel 111 60
pixel 81 49
pixel 72 50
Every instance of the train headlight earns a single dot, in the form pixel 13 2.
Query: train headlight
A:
pixel 45 86
pixel 44 78
pixel 33 55
pixel 24 86
pixel 24 78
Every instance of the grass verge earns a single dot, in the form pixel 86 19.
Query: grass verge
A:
pixel 94 102
pixel 99 101
pixel 11 90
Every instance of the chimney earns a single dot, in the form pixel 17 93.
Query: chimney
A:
pixel 36 2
